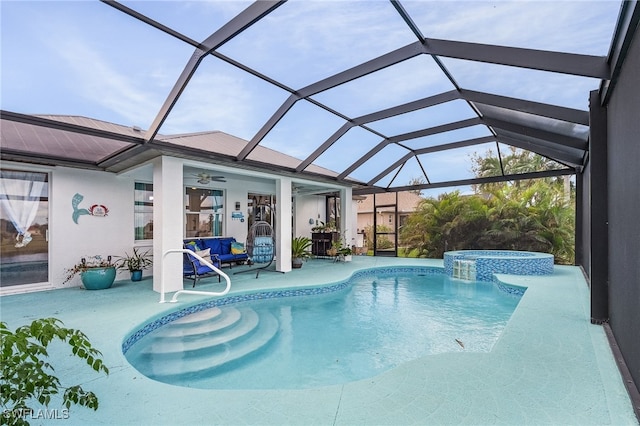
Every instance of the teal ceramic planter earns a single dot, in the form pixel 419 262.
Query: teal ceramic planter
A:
pixel 136 275
pixel 98 278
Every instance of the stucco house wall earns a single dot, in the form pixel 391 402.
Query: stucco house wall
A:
pixel 92 235
pixel 113 234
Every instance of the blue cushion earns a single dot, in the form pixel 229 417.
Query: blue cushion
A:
pixel 226 245
pixel 213 244
pixel 204 269
pixel 228 257
pixel 201 268
pixel 262 250
pixel 220 247
pixel 262 241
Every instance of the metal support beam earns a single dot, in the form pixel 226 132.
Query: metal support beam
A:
pixel 455 145
pixel 556 138
pixel 543 60
pixel 358 71
pixel 581 219
pixel 235 26
pixel 392 167
pixel 363 159
pixel 544 110
pixel 627 25
pixel 427 102
pixel 546 151
pixel 438 148
pixel 322 148
pixel 407 19
pixel 266 128
pixel 408 136
pixel 436 129
pixel 466 182
pixel 599 211
pixel 399 55
pixel 380 115
pixel 139 16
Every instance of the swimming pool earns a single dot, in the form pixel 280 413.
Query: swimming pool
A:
pixel 335 334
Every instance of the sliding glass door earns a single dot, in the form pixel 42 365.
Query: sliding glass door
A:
pixel 24 227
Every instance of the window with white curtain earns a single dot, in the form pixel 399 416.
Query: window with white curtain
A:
pixel 24 225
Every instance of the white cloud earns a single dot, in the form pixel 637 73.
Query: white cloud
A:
pixel 305 41
pixel 212 101
pixel 99 81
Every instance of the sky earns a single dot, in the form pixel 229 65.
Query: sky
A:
pixel 86 58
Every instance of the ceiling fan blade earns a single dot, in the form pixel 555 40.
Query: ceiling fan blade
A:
pixel 204 178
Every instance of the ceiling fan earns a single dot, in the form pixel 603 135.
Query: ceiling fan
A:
pixel 205 178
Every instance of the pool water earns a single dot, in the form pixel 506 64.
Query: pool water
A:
pixel 377 322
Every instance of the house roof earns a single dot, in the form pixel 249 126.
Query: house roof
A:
pixel 409 92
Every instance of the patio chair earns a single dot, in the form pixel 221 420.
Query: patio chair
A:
pixel 193 269
pixel 261 246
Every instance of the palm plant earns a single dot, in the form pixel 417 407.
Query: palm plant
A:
pixel 136 261
pixel 300 250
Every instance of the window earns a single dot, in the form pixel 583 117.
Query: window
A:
pixel 24 227
pixel 143 211
pixel 204 212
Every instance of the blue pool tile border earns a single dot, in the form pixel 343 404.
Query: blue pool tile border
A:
pixel 295 292
pixel 512 290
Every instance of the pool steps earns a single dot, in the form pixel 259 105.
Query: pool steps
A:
pixel 199 316
pixel 202 323
pixel 233 333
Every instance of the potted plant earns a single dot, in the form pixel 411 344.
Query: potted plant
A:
pixel 134 263
pixel 299 251
pixel 346 252
pixel 335 246
pixel 96 272
pixel 320 227
pixel 341 250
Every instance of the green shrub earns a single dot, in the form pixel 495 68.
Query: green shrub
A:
pixel 26 375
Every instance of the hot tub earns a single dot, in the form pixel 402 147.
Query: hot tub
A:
pixel 480 265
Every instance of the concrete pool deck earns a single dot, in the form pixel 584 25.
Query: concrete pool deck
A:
pixel 550 366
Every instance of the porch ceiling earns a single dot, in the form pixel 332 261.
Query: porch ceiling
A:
pixel 395 99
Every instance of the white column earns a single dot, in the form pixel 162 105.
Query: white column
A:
pixel 168 211
pixel 283 224
pixel 347 227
